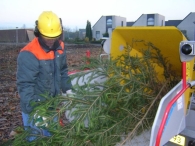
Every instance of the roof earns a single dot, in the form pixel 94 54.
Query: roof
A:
pixel 173 22
pixel 107 16
pixel 188 15
pixel 130 23
pixel 97 21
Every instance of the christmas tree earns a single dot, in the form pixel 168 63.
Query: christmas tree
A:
pixel 103 113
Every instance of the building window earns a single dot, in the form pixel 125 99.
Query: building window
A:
pixel 109 23
pixel 97 35
pixel 150 22
pixel 121 23
pixel 83 34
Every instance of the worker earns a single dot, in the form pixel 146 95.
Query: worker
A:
pixel 42 66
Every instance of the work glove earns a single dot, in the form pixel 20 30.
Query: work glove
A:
pixel 40 121
pixel 68 93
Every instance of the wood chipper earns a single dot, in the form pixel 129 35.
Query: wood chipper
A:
pixel 174 122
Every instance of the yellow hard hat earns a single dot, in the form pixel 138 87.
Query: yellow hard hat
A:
pixel 49 24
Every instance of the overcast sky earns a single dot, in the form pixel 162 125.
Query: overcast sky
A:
pixel 75 13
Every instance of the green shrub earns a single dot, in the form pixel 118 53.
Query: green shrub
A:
pixel 86 39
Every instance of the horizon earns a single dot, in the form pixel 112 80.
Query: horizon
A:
pixel 74 14
pixel 24 26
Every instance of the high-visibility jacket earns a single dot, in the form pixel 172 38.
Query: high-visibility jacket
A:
pixel 40 72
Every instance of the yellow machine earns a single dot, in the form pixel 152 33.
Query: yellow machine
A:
pixel 173 124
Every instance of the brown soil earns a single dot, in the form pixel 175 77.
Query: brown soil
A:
pixel 10 114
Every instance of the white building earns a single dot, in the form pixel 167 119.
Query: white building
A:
pixel 188 26
pixel 150 20
pixel 106 24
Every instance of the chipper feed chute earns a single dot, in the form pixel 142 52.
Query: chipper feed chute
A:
pixel 167 39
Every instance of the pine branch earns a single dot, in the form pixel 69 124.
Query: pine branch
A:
pixel 101 113
pixel 143 118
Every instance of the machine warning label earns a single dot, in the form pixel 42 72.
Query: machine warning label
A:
pixel 179 103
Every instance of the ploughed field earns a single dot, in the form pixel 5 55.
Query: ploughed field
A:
pixel 10 113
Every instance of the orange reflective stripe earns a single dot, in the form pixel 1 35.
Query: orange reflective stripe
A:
pixel 62 46
pixel 40 54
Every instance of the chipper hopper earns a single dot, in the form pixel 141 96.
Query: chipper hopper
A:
pixel 174 121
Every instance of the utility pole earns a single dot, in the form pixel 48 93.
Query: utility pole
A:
pixel 16 36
